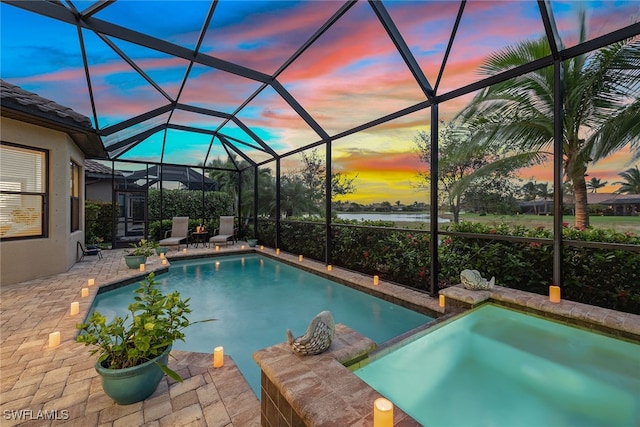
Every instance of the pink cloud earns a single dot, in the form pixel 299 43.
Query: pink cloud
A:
pixel 278 34
pixel 217 89
pixel 601 19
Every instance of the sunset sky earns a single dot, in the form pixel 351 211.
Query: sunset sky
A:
pixel 351 75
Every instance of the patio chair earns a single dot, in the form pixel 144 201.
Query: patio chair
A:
pixel 179 232
pixel 90 251
pixel 226 232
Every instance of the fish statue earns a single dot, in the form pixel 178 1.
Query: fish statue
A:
pixel 471 279
pixel 318 336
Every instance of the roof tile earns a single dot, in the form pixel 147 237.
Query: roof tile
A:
pixel 12 93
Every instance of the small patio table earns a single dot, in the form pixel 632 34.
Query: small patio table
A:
pixel 200 237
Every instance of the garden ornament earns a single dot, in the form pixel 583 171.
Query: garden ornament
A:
pixel 317 338
pixel 471 279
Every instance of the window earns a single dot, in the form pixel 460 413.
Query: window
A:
pixel 23 191
pixel 74 183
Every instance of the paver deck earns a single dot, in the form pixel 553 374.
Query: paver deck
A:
pixel 59 386
pixel 44 386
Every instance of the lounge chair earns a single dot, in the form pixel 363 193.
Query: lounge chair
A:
pixel 90 251
pixel 179 232
pixel 226 232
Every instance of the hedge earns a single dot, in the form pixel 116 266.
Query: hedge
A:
pixel 607 278
pixel 98 222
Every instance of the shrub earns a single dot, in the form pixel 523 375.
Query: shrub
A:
pixel 156 322
pixel 98 221
pixel 604 277
pixel 607 278
pixel 510 262
pixel 189 203
pixel 306 238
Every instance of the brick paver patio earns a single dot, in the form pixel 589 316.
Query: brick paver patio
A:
pixel 59 386
pixel 38 383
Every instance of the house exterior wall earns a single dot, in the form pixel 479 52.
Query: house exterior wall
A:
pixel 27 259
pixel 100 191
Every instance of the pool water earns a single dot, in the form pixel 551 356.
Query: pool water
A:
pixel 255 300
pixel 498 367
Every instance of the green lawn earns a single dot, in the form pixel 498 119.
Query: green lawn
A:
pixel 621 224
pixel 618 223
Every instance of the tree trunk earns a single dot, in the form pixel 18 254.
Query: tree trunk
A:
pixel 581 205
pixel 456 214
pixel 455 209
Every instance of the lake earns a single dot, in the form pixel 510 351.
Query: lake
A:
pixel 373 216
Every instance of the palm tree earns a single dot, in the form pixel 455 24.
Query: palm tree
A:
pixel 532 190
pixel 296 197
pixel 227 177
pixel 266 192
pixel 225 174
pixel 594 183
pixel 601 106
pixel 631 183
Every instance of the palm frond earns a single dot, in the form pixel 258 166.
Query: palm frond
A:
pixel 631 183
pixel 619 131
pixel 515 55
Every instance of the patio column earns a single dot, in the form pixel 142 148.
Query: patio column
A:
pixel 433 208
pixel 255 201
pixel 328 194
pixel 241 223
pixel 558 138
pixel 277 240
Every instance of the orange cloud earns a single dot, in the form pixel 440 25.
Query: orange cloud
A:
pixel 605 170
pixel 378 162
pixel 376 186
pixel 381 176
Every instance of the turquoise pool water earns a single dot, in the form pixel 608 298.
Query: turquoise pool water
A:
pixel 255 299
pixel 499 367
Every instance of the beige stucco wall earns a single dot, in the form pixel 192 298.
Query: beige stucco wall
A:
pixel 99 191
pixel 22 260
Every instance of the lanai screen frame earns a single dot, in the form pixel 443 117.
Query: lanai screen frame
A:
pixel 84 19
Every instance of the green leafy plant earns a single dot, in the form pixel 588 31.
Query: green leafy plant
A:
pixel 98 222
pixel 606 277
pixel 156 321
pixel 142 248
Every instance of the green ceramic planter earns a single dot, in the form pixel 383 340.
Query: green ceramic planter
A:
pixel 131 385
pixel 134 261
pixel 162 250
pixel 252 242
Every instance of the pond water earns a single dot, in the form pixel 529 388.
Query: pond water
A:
pixel 372 216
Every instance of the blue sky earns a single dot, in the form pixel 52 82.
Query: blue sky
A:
pixel 351 75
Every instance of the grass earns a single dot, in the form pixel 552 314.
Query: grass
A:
pixel 620 224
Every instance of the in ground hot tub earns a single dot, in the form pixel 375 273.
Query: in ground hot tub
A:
pixel 494 366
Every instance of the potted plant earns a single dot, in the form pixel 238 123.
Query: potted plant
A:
pixel 140 252
pixel 133 351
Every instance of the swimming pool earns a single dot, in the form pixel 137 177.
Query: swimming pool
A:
pixel 255 299
pixel 498 367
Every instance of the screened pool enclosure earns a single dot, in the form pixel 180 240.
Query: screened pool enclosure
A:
pixel 295 108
